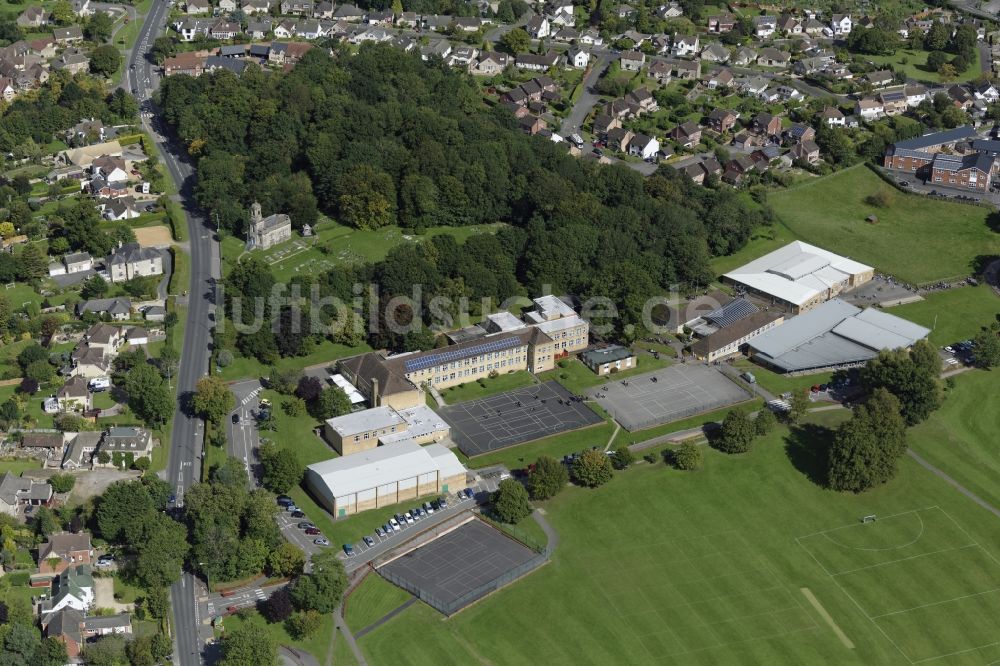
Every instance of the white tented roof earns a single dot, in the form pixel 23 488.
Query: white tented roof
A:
pixel 383 465
pixel 550 328
pixel 505 321
pixel 797 272
pixel 347 387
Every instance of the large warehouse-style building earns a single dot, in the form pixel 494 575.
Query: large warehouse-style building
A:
pixel 834 335
pixel 800 276
pixel 384 476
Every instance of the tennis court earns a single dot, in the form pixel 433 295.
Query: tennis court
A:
pixel 667 395
pixel 515 417
pixel 461 566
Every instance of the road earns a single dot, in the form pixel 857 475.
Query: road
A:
pixel 183 466
pixel 588 99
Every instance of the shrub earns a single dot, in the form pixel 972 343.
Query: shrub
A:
pixel 510 502
pixel 303 624
pixel 882 198
pixel 62 483
pixel 224 358
pixel 592 469
pixel 687 456
pixel 621 457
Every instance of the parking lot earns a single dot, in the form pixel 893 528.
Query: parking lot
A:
pixel 515 417
pixel 666 395
pixel 363 553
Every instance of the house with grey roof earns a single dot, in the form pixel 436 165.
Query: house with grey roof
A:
pixel 131 260
pixel 118 308
pixel 73 588
pixel 16 492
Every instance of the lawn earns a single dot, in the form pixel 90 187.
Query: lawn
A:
pixel 372 600
pixel 624 436
pixel 914 67
pixel 17 465
pixel 325 352
pixel 577 377
pixel 727 566
pixel 488 386
pixel 916 238
pixel 778 383
pixel 960 438
pixel 318 645
pixel 954 314
pixel 297 432
pixel 333 244
pixel 180 277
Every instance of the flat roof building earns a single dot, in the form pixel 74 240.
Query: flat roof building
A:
pixel 800 276
pixel 606 360
pixel 384 476
pixel 834 335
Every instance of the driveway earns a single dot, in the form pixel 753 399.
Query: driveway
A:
pixel 588 99
pixel 104 595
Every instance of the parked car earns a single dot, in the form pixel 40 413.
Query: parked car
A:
pixel 236 418
pixel 312 531
pixel 394 523
pixel 428 508
pixel 348 548
pixel 443 502
pixel 408 518
pixel 369 541
pixel 298 514
pixel 304 525
pixel 284 500
pixel 379 533
pixel 469 493
pixel 388 529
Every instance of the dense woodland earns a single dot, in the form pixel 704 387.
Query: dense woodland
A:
pixel 383 138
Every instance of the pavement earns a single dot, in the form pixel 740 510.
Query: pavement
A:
pixel 184 462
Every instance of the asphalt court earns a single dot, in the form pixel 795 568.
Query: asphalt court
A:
pixel 515 417
pixel 458 563
pixel 666 395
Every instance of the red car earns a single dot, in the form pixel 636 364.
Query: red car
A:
pixel 312 530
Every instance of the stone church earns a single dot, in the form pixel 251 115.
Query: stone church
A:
pixel 265 232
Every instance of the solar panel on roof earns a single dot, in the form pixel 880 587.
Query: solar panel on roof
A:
pixel 431 360
pixel 731 312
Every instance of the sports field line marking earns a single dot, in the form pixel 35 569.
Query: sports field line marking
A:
pixel 936 603
pixel 905 559
pixel 855 602
pixel 966 533
pixel 814 602
pixel 856 524
pixel 952 654
pixel 920 534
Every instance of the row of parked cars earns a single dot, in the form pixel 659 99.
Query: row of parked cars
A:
pixel 401 521
pixel 288 504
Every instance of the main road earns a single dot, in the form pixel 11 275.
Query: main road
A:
pixel 186 444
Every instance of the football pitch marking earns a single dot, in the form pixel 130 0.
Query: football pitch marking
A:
pixel 814 602
pixel 873 618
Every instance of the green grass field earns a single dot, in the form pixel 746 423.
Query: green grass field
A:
pixel 325 352
pixel 778 383
pixel 372 600
pixel 342 245
pixel 17 465
pixel 915 62
pixel 318 644
pixel 719 567
pixel 916 238
pixel 954 314
pixel 490 386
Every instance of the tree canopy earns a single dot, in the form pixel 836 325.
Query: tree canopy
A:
pixel 867 447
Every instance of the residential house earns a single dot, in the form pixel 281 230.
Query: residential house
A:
pixel 254 7
pixel 259 29
pixel 190 63
pixel 461 56
pixel 813 27
pixel 685 46
pixel 765 26
pixel 33 17
pixel 577 57
pixel 971 172
pixel 744 56
pixel 538 27
pixel 798 132
pixel 715 53
pixel 771 57
pixel 644 146
pixel 131 260
pixel 284 30
pixel 603 123
pixel 720 79
pixel 490 63
pixel 408 20
pixel 347 12
pixel 80 450
pixel 63 550
pixel 193 7
pixel 685 70
pixel 747 141
pixel 961 96
pixel 695 172
pixel 190 28
pixel 73 61
pixel 767 124
pixel 641 101
pixel 17 492
pixel 632 61
pixel 618 139
pixel 591 37
pixel 915 94
pixel 224 30
pixel 324 10
pixel 737 169
pixel 74 395
pixel 227 6
pixel 986 91
pixel 72 588
pixel 880 79
pixel 537 63
pixel 73 629
pixel 789 25
pixel 121 208
pixel 840 25
pixel 117 309
pixel 722 120
pixel 301 8
pixel 126 440
pixel 661 71
pixel 313 29
pixel 869 108
pixel 721 23
pixel 893 102
pixel 832 117
pixel 806 151
pixel 753 86
pixel 687 134
pixel 77 262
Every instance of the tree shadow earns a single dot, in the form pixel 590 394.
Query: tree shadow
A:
pixel 980 262
pixel 808 449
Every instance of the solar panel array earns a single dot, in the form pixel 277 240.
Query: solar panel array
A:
pixel 731 312
pixel 438 358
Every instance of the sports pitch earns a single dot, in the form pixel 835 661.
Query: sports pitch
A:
pixel 516 417
pixel 911 573
pixel 666 395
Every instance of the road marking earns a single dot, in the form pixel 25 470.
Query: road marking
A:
pixel 814 602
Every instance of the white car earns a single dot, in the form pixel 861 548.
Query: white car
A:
pixel 321 542
pixel 409 518
pixel 428 508
pixel 394 525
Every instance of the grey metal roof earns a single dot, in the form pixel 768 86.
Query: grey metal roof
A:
pixel 938 138
pixel 731 312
